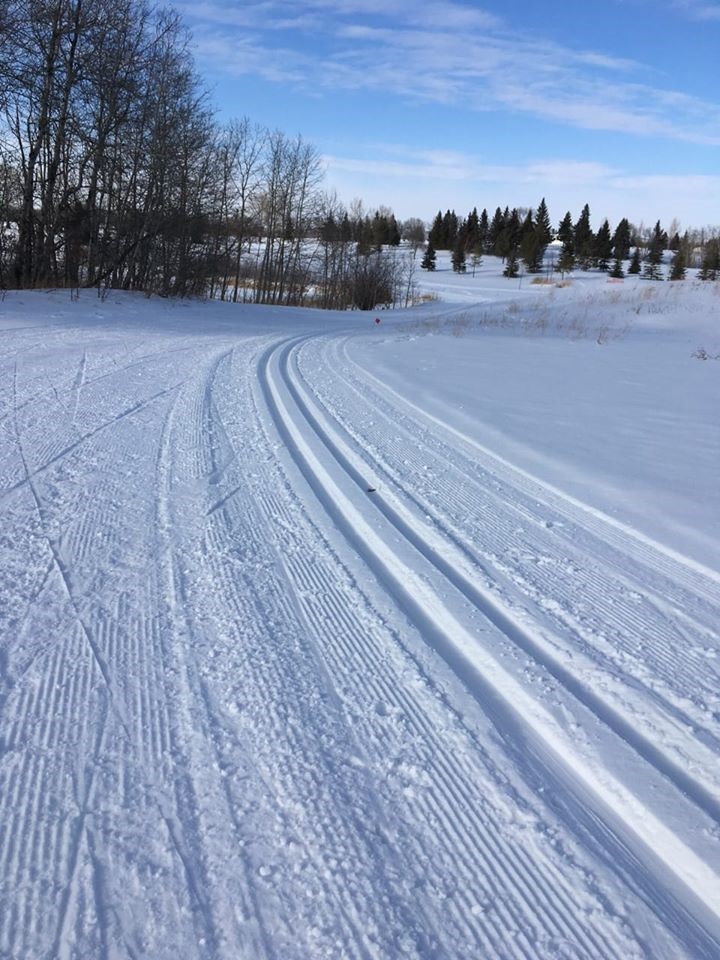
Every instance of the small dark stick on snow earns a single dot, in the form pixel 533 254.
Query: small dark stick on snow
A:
pixel 371 489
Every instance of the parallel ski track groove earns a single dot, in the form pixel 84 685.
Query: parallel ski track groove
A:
pixel 458 486
pixel 530 642
pixel 698 579
pixel 279 359
pixel 452 798
pixel 452 790
pixel 464 829
pixel 468 460
pixel 154 740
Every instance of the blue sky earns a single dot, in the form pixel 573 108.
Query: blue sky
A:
pixel 419 106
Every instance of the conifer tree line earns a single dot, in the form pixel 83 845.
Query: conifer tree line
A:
pixel 115 174
pixel 521 236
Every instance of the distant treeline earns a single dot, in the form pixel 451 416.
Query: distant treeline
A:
pixel 115 174
pixel 522 236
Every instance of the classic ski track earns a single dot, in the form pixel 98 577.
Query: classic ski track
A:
pixel 469 830
pixel 595 693
pixel 284 399
pixel 289 763
pixel 698 580
pixel 538 577
pixel 204 753
pixel 649 552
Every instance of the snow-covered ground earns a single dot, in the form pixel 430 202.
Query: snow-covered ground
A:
pixel 325 639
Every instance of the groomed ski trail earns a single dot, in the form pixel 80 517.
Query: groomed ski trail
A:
pixel 251 709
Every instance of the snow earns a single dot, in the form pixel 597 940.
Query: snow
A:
pixel 321 638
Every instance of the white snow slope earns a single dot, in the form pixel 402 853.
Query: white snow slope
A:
pixel 327 639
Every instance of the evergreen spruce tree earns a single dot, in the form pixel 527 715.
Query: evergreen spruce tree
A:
pixel 453 230
pixel 476 256
pixel 566 233
pixel 678 268
pixel 380 231
pixel 429 258
pixel 621 241
pixel 393 232
pixel 603 246
pixel 483 228
pixel 661 236
pixel 458 255
pixel 366 240
pixel 653 257
pixel 584 239
pixel 472 229
pixel 329 230
pixel 345 228
pixel 542 225
pixel 617 271
pixel 528 225
pixel 503 244
pixel 512 267
pixel 566 260
pixel 634 267
pixel 531 252
pixel 495 229
pixel 710 269
pixel 435 236
pixel 509 238
pixel 449 230
pixel 566 229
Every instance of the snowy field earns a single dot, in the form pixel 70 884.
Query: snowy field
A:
pixel 328 639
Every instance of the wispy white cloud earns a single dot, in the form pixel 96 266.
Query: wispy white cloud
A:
pixel 629 108
pixel 325 14
pixel 244 56
pixel 699 9
pixel 449 53
pixel 443 165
